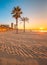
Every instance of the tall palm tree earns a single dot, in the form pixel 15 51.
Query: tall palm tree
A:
pixel 24 19
pixel 16 14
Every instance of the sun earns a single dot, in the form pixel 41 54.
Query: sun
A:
pixel 41 28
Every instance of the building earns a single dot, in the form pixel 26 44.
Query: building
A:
pixel 11 25
pixel 5 27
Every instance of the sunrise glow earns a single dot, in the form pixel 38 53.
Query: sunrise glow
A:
pixel 41 28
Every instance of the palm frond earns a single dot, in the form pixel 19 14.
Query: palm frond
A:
pixel 16 12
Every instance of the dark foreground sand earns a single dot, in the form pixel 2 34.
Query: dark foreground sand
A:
pixel 28 48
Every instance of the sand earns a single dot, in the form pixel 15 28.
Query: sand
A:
pixel 29 48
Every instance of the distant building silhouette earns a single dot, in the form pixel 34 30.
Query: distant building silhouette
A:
pixel 14 26
pixel 5 27
pixel 11 25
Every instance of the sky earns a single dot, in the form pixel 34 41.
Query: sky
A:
pixel 35 10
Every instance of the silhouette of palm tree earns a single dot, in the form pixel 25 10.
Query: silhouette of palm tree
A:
pixel 24 19
pixel 16 14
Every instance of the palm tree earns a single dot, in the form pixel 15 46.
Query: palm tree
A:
pixel 24 19
pixel 16 14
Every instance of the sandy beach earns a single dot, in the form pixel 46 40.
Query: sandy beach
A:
pixel 29 48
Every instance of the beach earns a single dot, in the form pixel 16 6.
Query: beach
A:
pixel 29 48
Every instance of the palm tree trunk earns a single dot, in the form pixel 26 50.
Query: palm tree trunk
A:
pixel 16 25
pixel 24 26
